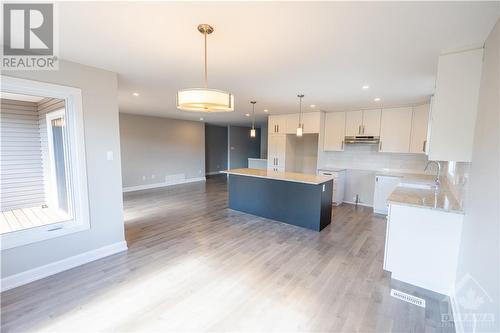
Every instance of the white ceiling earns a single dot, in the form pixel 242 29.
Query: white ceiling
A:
pixel 271 51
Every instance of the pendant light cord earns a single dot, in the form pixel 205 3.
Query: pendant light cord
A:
pixel 206 71
pixel 253 114
pixel 300 109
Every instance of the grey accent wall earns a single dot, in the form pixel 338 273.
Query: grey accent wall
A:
pixel 215 149
pixel 263 142
pixel 157 150
pixel 21 171
pixel 479 249
pixel 242 146
pixel 100 112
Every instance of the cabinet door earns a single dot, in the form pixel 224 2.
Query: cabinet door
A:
pixel 454 107
pixel 311 121
pixel 353 122
pixel 277 124
pixel 292 122
pixel 395 130
pixel 334 131
pixel 419 123
pixel 371 122
pixel 276 151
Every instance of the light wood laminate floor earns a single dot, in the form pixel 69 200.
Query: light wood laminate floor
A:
pixel 195 265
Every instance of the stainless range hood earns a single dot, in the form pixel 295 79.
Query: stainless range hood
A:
pixel 362 139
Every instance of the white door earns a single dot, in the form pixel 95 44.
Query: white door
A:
pixel 311 121
pixel 334 131
pixel 384 185
pixel 395 130
pixel 353 122
pixel 292 122
pixel 371 122
pixel 419 123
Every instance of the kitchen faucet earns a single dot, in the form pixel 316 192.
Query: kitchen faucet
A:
pixel 436 181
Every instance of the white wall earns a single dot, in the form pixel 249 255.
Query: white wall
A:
pixel 161 150
pixel 100 112
pixel 479 249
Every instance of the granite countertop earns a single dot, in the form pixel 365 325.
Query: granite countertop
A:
pixel 442 199
pixel 279 175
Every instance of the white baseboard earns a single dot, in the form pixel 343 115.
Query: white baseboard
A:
pixel 359 203
pixel 213 173
pixel 163 184
pixel 38 273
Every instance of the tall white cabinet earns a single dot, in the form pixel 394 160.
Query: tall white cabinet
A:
pixel 454 109
pixel 276 152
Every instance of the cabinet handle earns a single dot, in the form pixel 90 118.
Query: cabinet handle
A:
pixel 278 130
pixel 380 146
pixel 363 129
pixel 425 144
pixel 359 129
pixel 342 144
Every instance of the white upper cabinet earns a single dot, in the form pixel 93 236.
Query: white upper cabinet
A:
pixel 292 122
pixel 365 122
pixel 418 141
pixel 371 122
pixel 311 121
pixel 395 130
pixel 454 109
pixel 353 123
pixel 277 124
pixel 334 131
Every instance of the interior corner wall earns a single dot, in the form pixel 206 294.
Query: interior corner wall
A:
pixel 215 149
pixel 157 150
pixel 100 113
pixel 479 257
pixel 242 146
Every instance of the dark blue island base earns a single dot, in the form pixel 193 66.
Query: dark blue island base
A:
pixel 302 204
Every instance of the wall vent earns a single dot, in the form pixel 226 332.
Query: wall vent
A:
pixel 408 298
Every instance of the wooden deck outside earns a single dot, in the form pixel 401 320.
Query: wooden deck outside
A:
pixel 25 218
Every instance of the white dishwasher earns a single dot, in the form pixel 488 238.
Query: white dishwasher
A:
pixel 384 185
pixel 338 176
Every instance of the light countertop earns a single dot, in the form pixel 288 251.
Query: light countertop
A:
pixel 426 198
pixel 279 175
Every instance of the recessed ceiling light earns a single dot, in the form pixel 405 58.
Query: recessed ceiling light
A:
pixel 247 114
pixel 377 99
pixel 136 94
pixel 365 87
pixel 312 106
pixel 266 110
pixel 201 119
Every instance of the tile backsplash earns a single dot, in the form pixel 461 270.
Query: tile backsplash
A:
pixel 367 157
pixel 456 178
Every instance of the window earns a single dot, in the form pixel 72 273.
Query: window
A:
pixel 43 171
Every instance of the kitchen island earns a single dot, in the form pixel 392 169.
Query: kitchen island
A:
pixel 299 199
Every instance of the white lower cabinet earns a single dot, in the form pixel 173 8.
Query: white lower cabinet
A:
pixel 384 185
pixel 422 246
pixel 338 184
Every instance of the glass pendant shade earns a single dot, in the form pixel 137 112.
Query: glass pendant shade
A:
pixel 205 100
pixel 299 131
pixel 252 133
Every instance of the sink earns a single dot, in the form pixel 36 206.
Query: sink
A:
pixel 420 186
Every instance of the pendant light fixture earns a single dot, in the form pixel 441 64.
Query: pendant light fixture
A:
pixel 205 99
pixel 300 128
pixel 252 131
